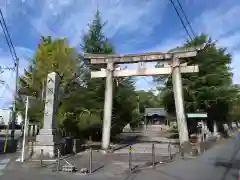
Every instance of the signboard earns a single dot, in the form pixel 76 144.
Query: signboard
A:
pixel 197 115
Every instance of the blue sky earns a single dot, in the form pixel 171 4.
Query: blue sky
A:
pixel 132 26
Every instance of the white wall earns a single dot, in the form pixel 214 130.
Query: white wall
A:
pixel 6 115
pixel 19 119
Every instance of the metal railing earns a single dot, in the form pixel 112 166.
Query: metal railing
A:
pixel 153 156
pixel 69 167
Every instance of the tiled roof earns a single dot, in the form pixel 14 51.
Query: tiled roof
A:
pixel 155 111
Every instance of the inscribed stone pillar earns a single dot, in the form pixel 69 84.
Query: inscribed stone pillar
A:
pixel 47 138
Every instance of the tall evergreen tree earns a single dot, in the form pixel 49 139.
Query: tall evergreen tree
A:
pixel 82 99
pixel 124 102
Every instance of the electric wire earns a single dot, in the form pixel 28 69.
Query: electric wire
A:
pixel 182 22
pixel 185 16
pixel 4 27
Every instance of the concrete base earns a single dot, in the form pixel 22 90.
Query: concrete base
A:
pixel 49 151
pixel 47 141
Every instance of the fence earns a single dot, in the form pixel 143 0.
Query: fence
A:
pixel 149 157
pixel 133 160
pixel 68 167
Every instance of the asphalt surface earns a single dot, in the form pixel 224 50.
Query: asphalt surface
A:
pixel 222 162
pixel 219 163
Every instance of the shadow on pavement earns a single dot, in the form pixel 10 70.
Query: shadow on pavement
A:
pixel 235 164
pixel 231 164
pixel 169 175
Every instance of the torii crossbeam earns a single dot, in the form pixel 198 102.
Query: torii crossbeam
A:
pixel 172 66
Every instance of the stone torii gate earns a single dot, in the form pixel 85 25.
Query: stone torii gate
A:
pixel 173 63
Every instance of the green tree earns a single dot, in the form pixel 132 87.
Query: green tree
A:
pixel 210 90
pixel 124 102
pixel 147 99
pixel 81 99
pixel 51 56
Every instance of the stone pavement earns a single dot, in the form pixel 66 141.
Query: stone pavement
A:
pixel 222 162
pixel 114 164
pixel 3 164
pixel 160 149
pixel 5 160
pixel 219 163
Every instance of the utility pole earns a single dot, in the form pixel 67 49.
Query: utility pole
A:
pixel 16 66
pixel 14 115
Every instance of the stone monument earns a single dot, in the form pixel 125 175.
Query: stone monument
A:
pixel 47 140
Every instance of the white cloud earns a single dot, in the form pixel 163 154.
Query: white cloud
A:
pixel 70 18
pixel 6 86
pixel 8 76
pixel 219 21
pixel 235 66
pixel 231 41
pixel 24 55
pixel 168 44
pixel 221 24
pixel 11 8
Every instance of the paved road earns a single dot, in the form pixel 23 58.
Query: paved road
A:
pixel 220 163
pixel 3 164
pixel 5 160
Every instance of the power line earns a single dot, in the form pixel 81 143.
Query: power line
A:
pixel 8 43
pixel 6 85
pixel 16 65
pixel 181 7
pixel 7 36
pixel 182 22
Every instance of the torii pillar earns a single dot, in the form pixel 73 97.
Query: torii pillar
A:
pixel 175 69
pixel 179 102
pixel 108 101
